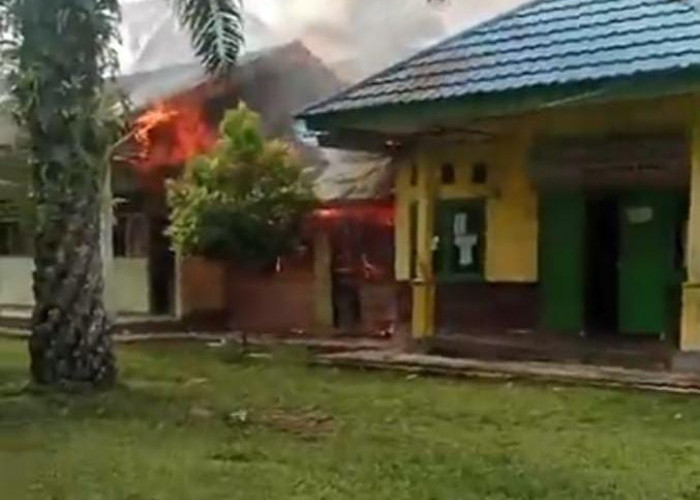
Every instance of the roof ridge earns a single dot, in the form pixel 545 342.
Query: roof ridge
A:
pixel 585 26
pixel 644 4
pixel 560 67
pixel 581 3
pixel 562 30
pixel 578 53
pixel 461 33
pixel 588 38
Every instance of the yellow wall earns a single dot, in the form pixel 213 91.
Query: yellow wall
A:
pixel 512 222
pixel 512 203
pixel 511 225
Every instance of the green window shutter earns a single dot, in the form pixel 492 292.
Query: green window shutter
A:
pixel 461 233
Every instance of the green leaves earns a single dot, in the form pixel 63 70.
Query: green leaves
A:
pixel 59 59
pixel 245 200
pixel 216 28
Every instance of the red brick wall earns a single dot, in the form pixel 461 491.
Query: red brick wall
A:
pixel 266 302
pixel 377 306
pixel 202 287
pixel 272 302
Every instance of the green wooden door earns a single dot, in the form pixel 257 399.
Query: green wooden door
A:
pixel 562 228
pixel 646 261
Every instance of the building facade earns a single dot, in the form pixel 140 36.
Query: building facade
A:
pixel 550 171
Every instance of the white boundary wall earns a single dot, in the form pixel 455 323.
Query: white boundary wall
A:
pixel 128 287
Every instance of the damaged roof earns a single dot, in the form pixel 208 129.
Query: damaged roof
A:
pixel 544 43
pixel 353 175
pixel 274 82
pixel 145 88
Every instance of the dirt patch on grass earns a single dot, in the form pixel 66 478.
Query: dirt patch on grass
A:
pixel 305 423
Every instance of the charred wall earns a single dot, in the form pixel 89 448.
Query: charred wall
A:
pixel 486 307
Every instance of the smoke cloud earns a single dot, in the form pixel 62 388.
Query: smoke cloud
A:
pixel 358 37
pixel 354 37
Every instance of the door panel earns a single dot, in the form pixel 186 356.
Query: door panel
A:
pixel 562 218
pixel 646 263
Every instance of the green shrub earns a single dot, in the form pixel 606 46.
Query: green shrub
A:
pixel 245 200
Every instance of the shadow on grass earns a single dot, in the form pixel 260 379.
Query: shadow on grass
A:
pixel 159 383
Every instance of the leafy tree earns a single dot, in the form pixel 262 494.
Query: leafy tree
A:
pixel 244 201
pixel 60 55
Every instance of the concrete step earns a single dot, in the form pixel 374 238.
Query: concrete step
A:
pixel 14 323
pixel 549 372
pixel 643 355
pixel 123 324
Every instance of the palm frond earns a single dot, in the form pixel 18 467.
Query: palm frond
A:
pixel 216 29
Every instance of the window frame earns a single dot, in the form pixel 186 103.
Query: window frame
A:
pixel 15 244
pixel 442 256
pixel 130 232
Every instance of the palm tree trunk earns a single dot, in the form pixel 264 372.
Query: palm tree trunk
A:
pixel 71 339
pixel 62 57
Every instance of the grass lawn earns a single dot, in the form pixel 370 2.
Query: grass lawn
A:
pixel 196 423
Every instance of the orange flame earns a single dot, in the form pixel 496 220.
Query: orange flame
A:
pixel 382 215
pixel 171 133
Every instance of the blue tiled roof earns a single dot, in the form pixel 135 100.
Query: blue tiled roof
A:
pixel 542 43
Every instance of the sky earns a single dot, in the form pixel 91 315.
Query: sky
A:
pixel 354 37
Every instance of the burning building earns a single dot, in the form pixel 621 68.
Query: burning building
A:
pixel 337 279
pixel 340 278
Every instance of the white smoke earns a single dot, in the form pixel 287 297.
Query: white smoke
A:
pixel 151 38
pixel 353 37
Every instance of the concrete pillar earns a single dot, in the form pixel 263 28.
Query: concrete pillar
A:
pixel 180 311
pixel 690 320
pixel 323 281
pixel 423 284
pixel 106 244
